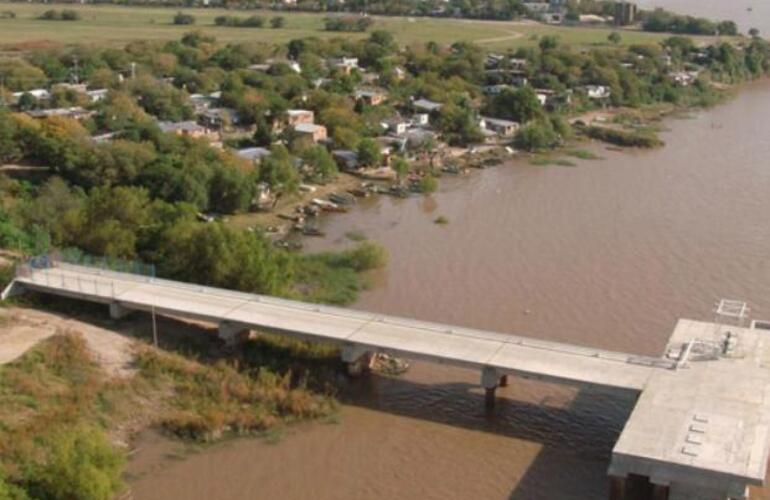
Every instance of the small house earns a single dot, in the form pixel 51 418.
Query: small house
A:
pixel 296 117
pixel 426 106
pixel 97 95
pixel 344 64
pixel 254 155
pixel 39 94
pixel 396 125
pixel 219 118
pixel 185 129
pixel 500 127
pixel 597 91
pixel 74 112
pixel 314 131
pixel 370 97
pixel 420 119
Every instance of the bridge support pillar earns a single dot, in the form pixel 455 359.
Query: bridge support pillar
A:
pixel 489 380
pixel 357 360
pixel 233 333
pixel 660 491
pixel 118 311
pixel 617 488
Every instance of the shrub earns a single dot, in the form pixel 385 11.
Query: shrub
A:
pixel 81 464
pixel 428 184
pixel 618 137
pixel 278 22
pixel 182 19
pixel 60 15
pixel 349 23
pixel 240 22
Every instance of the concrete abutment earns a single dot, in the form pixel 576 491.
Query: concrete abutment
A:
pixel 233 333
pixel 118 311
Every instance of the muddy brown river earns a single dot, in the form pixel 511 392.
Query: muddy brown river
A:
pixel 607 254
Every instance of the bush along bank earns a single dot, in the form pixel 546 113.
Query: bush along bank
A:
pixel 58 407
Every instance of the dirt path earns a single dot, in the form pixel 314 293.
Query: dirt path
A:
pixel 514 35
pixel 21 329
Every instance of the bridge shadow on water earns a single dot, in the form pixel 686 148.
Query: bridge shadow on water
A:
pixel 576 438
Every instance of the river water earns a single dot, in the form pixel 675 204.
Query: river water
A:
pixel 608 254
pixel 746 13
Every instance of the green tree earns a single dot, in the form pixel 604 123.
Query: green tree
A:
pixel 10 149
pixel 182 18
pixel 279 172
pixel 81 464
pixel 216 255
pixel 277 22
pixel 369 152
pixel 536 136
pixel 401 167
pixel 324 166
pixel 519 105
pixel 614 38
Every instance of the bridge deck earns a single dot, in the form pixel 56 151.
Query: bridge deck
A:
pixel 397 336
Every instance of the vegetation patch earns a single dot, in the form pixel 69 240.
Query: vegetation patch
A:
pixel 583 154
pixel 58 407
pixel 636 138
pixel 335 278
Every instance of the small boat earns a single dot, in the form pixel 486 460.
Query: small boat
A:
pixel 360 192
pixel 291 217
pixel 399 191
pixel 312 231
pixel 327 206
pixel 341 199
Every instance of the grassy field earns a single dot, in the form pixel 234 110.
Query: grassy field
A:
pixel 108 24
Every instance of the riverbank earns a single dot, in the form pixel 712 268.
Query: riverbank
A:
pixel 89 387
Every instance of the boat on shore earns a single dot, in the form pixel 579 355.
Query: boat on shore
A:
pixel 328 206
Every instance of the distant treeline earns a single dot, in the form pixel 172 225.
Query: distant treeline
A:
pixel 661 21
pixel 350 23
pixel 658 20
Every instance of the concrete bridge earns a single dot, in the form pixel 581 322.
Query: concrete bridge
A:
pixel 699 430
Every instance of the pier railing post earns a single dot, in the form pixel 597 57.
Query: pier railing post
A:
pixel 489 380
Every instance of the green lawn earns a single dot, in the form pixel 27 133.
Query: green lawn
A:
pixel 108 24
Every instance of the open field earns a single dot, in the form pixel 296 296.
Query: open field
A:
pixel 111 24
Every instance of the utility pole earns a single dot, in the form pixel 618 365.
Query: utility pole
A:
pixel 154 328
pixel 75 70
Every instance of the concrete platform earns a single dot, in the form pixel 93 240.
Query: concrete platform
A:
pixel 702 430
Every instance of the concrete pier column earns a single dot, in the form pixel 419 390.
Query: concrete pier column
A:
pixel 233 333
pixel 660 491
pixel 357 360
pixel 489 380
pixel 118 311
pixel 617 488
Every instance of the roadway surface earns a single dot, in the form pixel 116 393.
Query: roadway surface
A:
pixel 396 336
